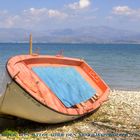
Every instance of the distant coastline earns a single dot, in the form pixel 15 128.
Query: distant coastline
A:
pixel 90 43
pixel 80 35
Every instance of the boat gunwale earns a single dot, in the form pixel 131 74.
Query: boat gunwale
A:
pixel 98 102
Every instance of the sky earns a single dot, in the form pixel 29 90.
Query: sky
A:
pixel 56 14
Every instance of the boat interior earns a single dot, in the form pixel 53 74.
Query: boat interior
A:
pixel 66 85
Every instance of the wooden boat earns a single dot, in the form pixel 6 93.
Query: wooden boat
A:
pixel 51 89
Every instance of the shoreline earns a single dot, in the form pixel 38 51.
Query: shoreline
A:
pixel 74 43
pixel 125 90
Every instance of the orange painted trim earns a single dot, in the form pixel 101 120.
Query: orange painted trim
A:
pixel 20 69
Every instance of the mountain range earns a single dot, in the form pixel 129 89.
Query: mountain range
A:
pixel 89 34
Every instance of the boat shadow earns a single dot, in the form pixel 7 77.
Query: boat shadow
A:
pixel 22 125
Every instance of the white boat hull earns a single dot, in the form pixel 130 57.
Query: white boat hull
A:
pixel 18 103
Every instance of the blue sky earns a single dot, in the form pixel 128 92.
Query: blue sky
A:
pixel 50 14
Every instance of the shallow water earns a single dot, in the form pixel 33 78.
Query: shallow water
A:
pixel 117 64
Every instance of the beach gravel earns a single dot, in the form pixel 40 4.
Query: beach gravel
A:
pixel 116 119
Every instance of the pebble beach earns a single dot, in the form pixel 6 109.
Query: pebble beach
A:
pixel 118 118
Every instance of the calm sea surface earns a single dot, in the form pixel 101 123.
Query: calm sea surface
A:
pixel 117 64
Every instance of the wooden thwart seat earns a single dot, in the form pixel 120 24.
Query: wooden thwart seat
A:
pixel 93 99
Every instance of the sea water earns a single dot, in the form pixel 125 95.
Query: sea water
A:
pixel 117 64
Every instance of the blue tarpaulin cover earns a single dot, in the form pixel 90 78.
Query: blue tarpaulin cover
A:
pixel 66 83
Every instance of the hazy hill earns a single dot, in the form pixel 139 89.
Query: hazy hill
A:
pixel 100 34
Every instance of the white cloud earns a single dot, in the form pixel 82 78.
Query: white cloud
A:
pixel 39 18
pixel 123 10
pixel 30 17
pixel 56 13
pixel 35 12
pixel 11 20
pixel 132 14
pixel 125 13
pixel 42 12
pixel 84 3
pixel 80 5
pixel 6 19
